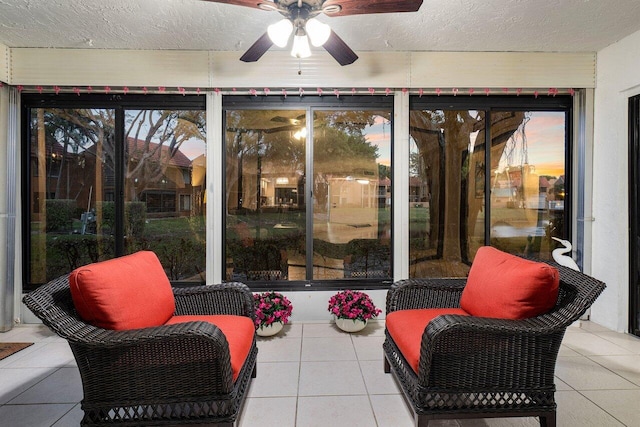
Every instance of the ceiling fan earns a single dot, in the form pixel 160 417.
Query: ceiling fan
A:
pixel 300 19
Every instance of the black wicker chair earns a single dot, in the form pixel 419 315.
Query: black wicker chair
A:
pixel 165 375
pixel 473 367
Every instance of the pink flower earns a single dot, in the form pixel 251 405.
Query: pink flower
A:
pixel 271 307
pixel 350 304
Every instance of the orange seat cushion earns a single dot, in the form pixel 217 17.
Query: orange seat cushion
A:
pixel 505 286
pixel 238 330
pixel 129 292
pixel 407 326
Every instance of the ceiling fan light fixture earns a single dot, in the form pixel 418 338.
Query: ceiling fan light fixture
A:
pixel 317 31
pixel 280 31
pixel 301 134
pixel 301 47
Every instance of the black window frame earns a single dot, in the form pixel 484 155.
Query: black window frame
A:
pixel 634 214
pixel 502 103
pixel 117 102
pixel 315 102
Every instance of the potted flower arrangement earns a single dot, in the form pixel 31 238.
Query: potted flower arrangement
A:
pixel 272 311
pixel 352 309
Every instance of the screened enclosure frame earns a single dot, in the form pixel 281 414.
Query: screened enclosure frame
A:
pixel 119 103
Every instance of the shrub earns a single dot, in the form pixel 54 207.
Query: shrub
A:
pixel 60 214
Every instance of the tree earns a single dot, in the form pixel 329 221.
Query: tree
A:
pixel 445 162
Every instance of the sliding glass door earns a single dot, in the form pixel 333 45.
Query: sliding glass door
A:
pixel 265 202
pixel 352 194
pixel 308 191
pixel 488 171
pixel 108 177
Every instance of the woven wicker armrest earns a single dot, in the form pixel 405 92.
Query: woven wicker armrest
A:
pixel 452 324
pixel 424 293
pixel 168 358
pixel 489 345
pixel 98 337
pixel 227 298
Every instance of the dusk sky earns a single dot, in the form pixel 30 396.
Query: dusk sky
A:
pixel 545 134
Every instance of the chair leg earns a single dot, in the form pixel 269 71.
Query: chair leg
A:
pixel 254 373
pixel 387 367
pixel 548 420
pixel 421 421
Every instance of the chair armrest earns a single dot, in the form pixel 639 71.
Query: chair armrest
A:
pixel 484 348
pixel 171 358
pixel 226 298
pixel 425 293
pixel 90 335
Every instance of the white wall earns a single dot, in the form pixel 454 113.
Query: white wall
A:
pixel 203 69
pixel 312 306
pixel 617 78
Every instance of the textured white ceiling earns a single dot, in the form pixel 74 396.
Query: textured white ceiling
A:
pixel 439 25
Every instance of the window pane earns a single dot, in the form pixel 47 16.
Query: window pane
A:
pixel 265 204
pixel 527 181
pixel 165 189
pixel 446 191
pixel 352 195
pixel 448 174
pixel 72 156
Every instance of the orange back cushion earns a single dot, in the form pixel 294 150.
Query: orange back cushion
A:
pixel 504 286
pixel 129 292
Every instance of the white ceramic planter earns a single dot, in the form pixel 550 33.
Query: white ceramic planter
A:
pixel 350 325
pixel 269 330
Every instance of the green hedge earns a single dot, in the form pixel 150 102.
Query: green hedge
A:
pixel 68 251
pixel 135 214
pixel 135 217
pixel 60 214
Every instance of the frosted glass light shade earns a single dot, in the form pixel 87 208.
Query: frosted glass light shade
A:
pixel 301 47
pixel 279 32
pixel 317 31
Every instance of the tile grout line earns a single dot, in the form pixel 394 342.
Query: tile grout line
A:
pixel 366 388
pixel 297 406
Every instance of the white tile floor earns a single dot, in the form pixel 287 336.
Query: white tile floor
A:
pixel 314 375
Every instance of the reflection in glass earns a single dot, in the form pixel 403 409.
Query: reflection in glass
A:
pixel 266 218
pixel 527 183
pixel 72 156
pixel 352 195
pixel 74 190
pixel 448 174
pixel 165 189
pixel 446 190
pixel 265 204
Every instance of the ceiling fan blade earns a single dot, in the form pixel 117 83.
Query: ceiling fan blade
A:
pixel 247 3
pixel 339 50
pixel 361 7
pixel 257 49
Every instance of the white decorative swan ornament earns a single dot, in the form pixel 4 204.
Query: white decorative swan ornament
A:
pixel 560 257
